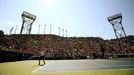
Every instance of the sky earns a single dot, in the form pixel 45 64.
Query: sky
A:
pixel 81 18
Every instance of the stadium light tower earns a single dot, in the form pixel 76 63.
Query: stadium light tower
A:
pixel 39 30
pixel 66 33
pixel 15 29
pixel 45 29
pixel 59 31
pixel 27 21
pixel 50 29
pixel 116 21
pixel 63 32
pixel 10 32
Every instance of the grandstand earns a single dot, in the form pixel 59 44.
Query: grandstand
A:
pixel 57 47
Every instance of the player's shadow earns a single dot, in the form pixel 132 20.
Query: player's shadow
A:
pixel 41 65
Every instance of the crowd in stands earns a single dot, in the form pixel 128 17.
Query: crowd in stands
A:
pixel 66 47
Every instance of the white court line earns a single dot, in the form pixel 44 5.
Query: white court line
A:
pixel 37 69
pixel 40 67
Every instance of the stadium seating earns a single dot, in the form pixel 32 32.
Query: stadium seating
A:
pixel 57 47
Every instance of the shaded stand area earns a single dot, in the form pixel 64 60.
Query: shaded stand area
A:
pixel 6 56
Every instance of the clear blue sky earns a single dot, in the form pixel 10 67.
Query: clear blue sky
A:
pixel 79 17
